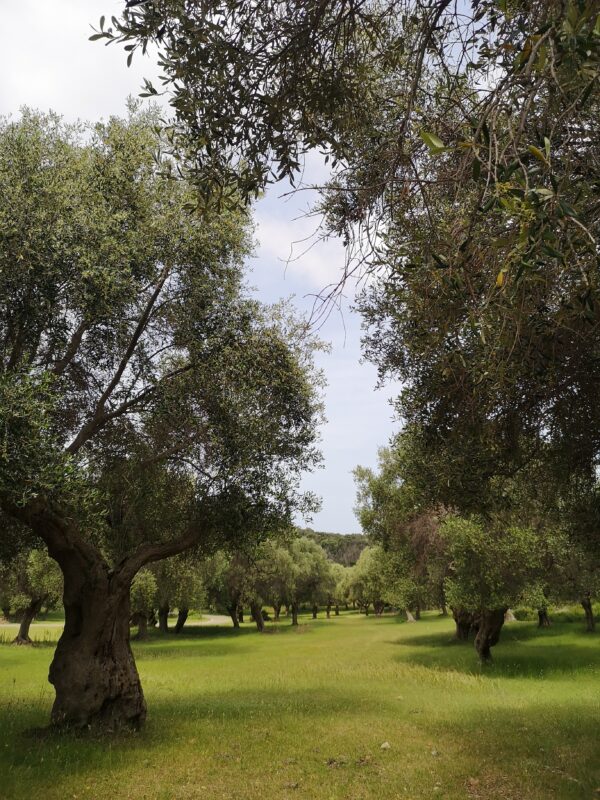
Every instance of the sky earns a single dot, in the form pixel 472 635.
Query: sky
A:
pixel 47 62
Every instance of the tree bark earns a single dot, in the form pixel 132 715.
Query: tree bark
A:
pixel 93 670
pixel 337 610
pixel 30 613
pixel 240 613
pixel 328 611
pixel 182 615
pixel 590 622
pixel 256 611
pixel 234 616
pixel 488 634
pixel 464 621
pixel 409 616
pixel 294 607
pixel 315 611
pixel 163 619
pixel 417 612
pixel 141 620
pixel 277 611
pixel 543 618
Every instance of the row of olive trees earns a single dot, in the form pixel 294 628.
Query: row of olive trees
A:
pixel 478 566
pixel 277 574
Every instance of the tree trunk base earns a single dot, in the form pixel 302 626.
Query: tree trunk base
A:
pixel 488 633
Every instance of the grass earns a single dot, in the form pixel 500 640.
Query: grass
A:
pixel 303 714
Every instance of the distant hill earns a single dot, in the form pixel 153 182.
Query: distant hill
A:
pixel 345 548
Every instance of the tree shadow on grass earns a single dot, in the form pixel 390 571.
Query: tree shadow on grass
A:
pixel 524 651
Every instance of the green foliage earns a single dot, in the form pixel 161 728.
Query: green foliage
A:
pixel 492 567
pixel 142 393
pixel 143 593
pixel 343 548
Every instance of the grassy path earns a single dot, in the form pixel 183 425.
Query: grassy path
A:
pixel 303 714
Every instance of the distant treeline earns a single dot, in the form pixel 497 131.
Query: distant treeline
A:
pixel 343 548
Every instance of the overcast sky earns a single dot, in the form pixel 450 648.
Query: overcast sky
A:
pixel 47 62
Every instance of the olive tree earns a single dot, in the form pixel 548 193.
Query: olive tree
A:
pixel 126 339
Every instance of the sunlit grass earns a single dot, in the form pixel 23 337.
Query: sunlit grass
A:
pixel 303 714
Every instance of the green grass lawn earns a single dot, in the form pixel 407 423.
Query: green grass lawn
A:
pixel 303 714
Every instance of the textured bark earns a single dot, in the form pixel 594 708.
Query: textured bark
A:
pixel 256 611
pixel 182 615
pixel 465 623
pixel 488 633
pixel 233 613
pixel 30 613
pixel 141 620
pixel 590 622
pixel 543 618
pixel 315 611
pixel 294 608
pixel 163 619
pixel 93 670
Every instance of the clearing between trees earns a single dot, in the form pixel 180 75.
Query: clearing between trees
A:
pixel 303 713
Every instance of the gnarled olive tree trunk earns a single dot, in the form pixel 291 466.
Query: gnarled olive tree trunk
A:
pixel 182 615
pixel 163 619
pixel 543 618
pixel 256 611
pixel 93 670
pixel 30 613
pixel 233 613
pixel 590 622
pixel 465 623
pixel 488 633
pixel 141 620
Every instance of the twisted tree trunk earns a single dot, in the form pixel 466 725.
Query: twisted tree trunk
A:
pixel 543 618
pixel 163 619
pixel 590 622
pixel 256 611
pixel 182 615
pixel 30 613
pixel 233 613
pixel 464 621
pixel 141 620
pixel 93 670
pixel 488 634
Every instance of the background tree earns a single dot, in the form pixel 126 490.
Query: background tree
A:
pixel 30 582
pixel 143 600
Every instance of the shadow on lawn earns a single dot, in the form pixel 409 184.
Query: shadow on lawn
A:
pixel 524 651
